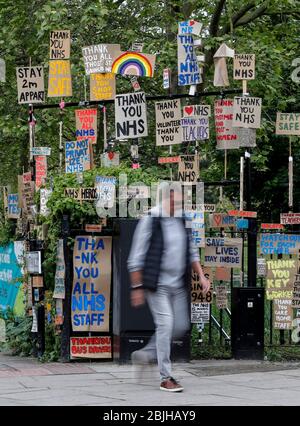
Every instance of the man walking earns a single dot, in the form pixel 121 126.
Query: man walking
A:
pixel 159 263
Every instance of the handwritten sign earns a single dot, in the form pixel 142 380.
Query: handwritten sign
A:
pixel 60 80
pixel 247 112
pixel 226 252
pixel 102 87
pixel 93 228
pixel 82 194
pixel 60 44
pixel 261 267
pixel 86 124
pixel 60 273
pixel 200 313
pixel 271 226
pixel 244 67
pixel 13 210
pixel 221 296
pixel 194 129
pixel 131 116
pixel 40 170
pixel 288 123
pixel 40 150
pixel 242 213
pixel 100 57
pixel 91 347
pixel 33 262
pixel 77 156
pixel 197 111
pixel 189 27
pixel 282 314
pixel 30 81
pixel 44 198
pixel 168 116
pixel 296 292
pixel 166 78
pixel 280 278
pixel 290 218
pixel 226 135
pixel 91 283
pixel 279 243
pixel 195 221
pixel 27 193
pixel 106 188
pixel 110 159
pixel 134 63
pixel 196 291
pixel 188 168
pixel 188 68
pixel 168 160
pixel 221 220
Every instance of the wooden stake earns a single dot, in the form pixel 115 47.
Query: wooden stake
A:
pixel 171 170
pixel 242 184
pixel 60 146
pixel 104 129
pixel 245 87
pixel 225 165
pixel 291 178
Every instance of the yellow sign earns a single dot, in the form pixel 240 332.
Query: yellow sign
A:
pixel 60 81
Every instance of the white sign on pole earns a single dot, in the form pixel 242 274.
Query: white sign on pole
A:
pixel 131 116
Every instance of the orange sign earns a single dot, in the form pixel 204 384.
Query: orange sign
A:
pixel 272 226
pixel 242 213
pixel 163 160
pixel 93 228
pixel 91 347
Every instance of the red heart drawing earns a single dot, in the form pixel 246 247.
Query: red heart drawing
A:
pixel 111 155
pixel 192 22
pixel 217 219
pixel 189 109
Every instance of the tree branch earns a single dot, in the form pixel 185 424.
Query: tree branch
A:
pixel 238 15
pixel 214 24
pixel 252 16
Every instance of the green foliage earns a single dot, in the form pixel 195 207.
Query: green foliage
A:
pixel 18 335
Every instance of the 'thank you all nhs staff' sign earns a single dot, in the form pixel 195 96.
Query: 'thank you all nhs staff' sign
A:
pixel 91 283
pixel 131 116
pixel 188 69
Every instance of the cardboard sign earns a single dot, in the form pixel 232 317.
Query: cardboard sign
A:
pixel 194 129
pixel 31 88
pixel 280 278
pixel 91 347
pixel 33 262
pixel 200 313
pixel 168 160
pixel 271 226
pixel 188 68
pixel 166 78
pixel 226 252
pixel 196 291
pixel 296 292
pixel 86 124
pixel 100 57
pixel 261 267
pixel 78 156
pixel 40 150
pixel 82 194
pixel 221 296
pixel 60 273
pixel 137 47
pixel 282 314
pixel 197 111
pixel 195 221
pixel 13 209
pixel 189 27
pixel 93 228
pixel 246 137
pixel 60 44
pixel 188 169
pixel 221 220
pixel 242 213
pixel 279 243
pixel 222 274
pixel 288 123
pixel 27 193
pixel 226 135
pixel 138 192
pixel 290 218
pixel 91 283
pixel 106 188
pixel 131 116
pixel 44 197
pixel 102 87
pixel 134 63
pixel 60 80
pixel 110 159
pixel 40 171
pixel 168 116
pixel 244 67
pixel 38 281
pixel 247 112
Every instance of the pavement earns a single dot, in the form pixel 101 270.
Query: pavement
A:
pixel 27 382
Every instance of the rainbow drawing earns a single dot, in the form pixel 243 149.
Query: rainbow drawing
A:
pixel 134 63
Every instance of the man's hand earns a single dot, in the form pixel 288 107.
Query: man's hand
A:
pixel 137 297
pixel 205 283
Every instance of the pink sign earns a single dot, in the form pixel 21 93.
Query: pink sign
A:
pixel 40 170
